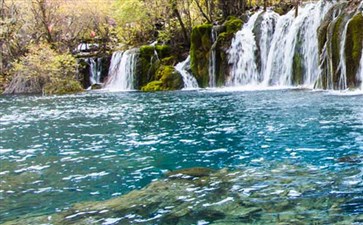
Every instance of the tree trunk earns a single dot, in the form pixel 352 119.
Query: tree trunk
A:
pixel 178 16
pixel 265 3
pixel 202 12
pixel 296 3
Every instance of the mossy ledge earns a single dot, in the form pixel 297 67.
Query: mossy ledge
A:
pixel 168 79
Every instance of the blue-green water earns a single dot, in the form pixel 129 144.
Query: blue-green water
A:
pixel 56 151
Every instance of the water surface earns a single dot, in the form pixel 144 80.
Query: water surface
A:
pixel 56 151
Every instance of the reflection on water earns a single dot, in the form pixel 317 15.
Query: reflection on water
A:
pixel 56 151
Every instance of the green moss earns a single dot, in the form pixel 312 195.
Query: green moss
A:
pixel 163 50
pixel 147 51
pixel 353 48
pixel 167 79
pixel 335 47
pixel 297 69
pixel 233 25
pixel 199 53
pixel 322 37
pixel 149 63
pixel 171 60
pixel 61 87
pixel 156 85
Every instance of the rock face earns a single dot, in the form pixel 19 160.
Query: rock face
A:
pixel 341 28
pixel 155 71
pixel 202 45
pixel 205 196
pixel 23 85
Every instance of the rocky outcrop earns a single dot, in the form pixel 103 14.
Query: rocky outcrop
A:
pixel 155 71
pixel 342 19
pixel 202 46
pixel 167 79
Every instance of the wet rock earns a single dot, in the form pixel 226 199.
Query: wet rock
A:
pixel 350 159
pixel 192 172
pixel 96 86
pixel 191 195
pixel 359 219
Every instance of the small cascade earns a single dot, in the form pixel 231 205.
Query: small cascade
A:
pixel 122 71
pixel 189 80
pixel 342 66
pixel 213 59
pixel 95 70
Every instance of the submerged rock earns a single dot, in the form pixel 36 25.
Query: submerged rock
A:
pixel 96 86
pixel 214 197
pixel 192 172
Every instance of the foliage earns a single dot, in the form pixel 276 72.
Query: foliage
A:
pixel 53 73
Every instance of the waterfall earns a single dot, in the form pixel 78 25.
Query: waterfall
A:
pixel 95 69
pixel 267 30
pixel 284 43
pixel 189 81
pixel 242 55
pixel 212 59
pixel 122 71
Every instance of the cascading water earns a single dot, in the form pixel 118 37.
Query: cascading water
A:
pixel 189 81
pixel 212 59
pixel 283 42
pixel 242 56
pixel 360 71
pixel 342 66
pixel 267 30
pixel 122 71
pixel 95 69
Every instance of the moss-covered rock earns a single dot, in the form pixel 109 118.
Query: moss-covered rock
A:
pixel 353 48
pixel 61 87
pixel 337 27
pixel 233 24
pixel 199 53
pixel 150 59
pixel 167 79
pixel 297 70
pixel 192 195
pixel 201 47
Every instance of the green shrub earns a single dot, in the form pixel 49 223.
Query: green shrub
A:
pixel 43 70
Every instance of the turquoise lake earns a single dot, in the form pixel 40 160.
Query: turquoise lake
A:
pixel 58 151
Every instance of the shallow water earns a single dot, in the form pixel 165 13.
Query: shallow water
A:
pixel 56 151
